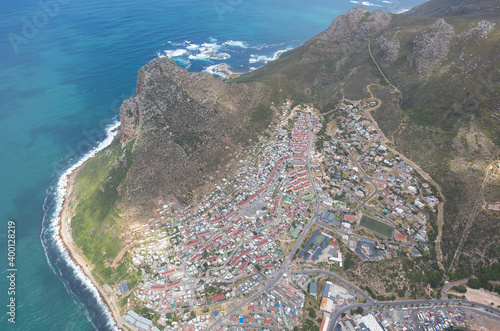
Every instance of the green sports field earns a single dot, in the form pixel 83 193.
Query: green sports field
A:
pixel 376 226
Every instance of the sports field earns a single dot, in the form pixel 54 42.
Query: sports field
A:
pixel 376 226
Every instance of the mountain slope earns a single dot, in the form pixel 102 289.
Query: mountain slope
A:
pixel 179 135
pixel 443 8
pixel 438 82
pixel 446 116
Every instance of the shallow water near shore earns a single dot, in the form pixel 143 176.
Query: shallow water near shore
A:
pixel 66 67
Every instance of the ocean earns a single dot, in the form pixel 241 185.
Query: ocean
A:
pixel 65 68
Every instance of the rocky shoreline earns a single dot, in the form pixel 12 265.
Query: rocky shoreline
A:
pixel 74 252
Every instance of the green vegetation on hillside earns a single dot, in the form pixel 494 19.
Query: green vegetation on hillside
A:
pixel 96 225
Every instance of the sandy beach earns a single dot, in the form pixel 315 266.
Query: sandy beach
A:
pixel 75 253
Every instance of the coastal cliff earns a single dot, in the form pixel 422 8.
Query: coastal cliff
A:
pixel 187 127
pixel 179 134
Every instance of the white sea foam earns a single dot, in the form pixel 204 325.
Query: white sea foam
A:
pixel 175 53
pixel 352 1
pixel 60 193
pixel 193 47
pixel 209 46
pixel 264 59
pixel 199 56
pixel 236 43
pixel 215 70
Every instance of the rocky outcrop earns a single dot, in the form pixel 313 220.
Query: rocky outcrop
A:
pixel 389 49
pixel 480 29
pixel 185 126
pixel 357 23
pixel 430 47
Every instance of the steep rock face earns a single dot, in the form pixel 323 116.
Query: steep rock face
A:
pixel 357 23
pixel 431 46
pixel 389 48
pixel 184 126
pixel 480 29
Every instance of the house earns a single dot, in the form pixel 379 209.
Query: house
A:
pixel 313 289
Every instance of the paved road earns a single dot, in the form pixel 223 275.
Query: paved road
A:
pixel 338 278
pixel 334 317
pixel 447 286
pixel 286 264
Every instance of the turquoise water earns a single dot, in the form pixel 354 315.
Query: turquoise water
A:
pixel 63 77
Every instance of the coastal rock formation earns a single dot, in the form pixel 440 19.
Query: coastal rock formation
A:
pixel 184 126
pixel 431 46
pixel 358 23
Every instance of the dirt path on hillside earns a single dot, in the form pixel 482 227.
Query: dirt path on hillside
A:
pixel 379 69
pixel 475 210
pixel 120 255
pixel 426 176
pixel 440 215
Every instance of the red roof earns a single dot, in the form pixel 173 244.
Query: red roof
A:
pixel 350 218
pixel 261 256
pixel 244 265
pixel 191 243
pixel 399 236
pixel 219 297
pixel 168 272
pixel 157 288
pixel 174 284
pixel 195 257
pixel 235 260
pixel 263 242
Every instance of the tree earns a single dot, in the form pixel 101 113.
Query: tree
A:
pixel 359 310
